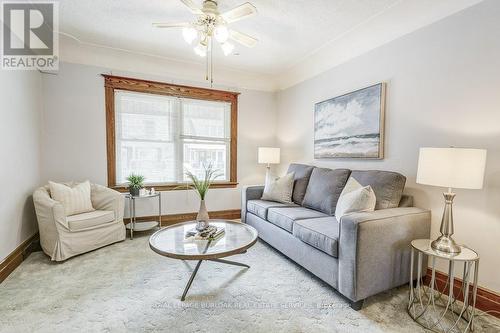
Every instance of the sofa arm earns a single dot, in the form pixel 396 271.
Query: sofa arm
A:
pixel 104 198
pixel 374 249
pixel 252 192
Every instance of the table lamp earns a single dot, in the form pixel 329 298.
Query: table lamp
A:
pixel 268 155
pixel 451 168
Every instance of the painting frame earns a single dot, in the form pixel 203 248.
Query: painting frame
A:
pixel 381 125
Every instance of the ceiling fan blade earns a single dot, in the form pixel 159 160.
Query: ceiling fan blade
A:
pixel 171 25
pixel 192 7
pixel 243 11
pixel 242 38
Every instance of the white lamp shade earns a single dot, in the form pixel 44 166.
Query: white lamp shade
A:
pixel 451 167
pixel 268 155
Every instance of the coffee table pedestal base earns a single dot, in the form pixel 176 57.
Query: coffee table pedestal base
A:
pixel 198 264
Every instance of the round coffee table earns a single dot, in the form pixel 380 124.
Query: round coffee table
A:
pixel 171 242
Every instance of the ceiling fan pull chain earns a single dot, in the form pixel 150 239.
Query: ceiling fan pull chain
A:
pixel 206 67
pixel 211 63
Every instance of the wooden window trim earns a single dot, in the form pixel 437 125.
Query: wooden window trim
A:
pixel 112 82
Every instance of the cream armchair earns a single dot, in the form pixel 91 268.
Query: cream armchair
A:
pixel 62 237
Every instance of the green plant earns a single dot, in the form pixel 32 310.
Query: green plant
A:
pixel 135 181
pixel 201 186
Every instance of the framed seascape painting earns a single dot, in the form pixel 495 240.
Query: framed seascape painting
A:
pixel 351 125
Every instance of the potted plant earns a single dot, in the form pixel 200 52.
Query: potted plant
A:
pixel 135 183
pixel 201 186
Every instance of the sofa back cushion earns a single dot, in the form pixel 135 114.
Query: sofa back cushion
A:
pixel 388 186
pixel 324 188
pixel 302 173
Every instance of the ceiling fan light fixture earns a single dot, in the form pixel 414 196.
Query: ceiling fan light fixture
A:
pixel 189 34
pixel 201 50
pixel 221 33
pixel 227 48
pixel 211 24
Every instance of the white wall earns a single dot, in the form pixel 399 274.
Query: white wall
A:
pixel 20 149
pixel 74 136
pixel 443 89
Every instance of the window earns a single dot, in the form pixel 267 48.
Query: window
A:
pixel 161 131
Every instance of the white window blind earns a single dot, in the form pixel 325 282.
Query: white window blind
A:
pixel 161 137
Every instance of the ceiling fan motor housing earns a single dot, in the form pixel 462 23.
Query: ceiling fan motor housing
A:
pixel 210 8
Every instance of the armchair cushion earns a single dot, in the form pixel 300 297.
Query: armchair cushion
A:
pixel 75 200
pixel 90 219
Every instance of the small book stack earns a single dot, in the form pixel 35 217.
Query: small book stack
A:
pixel 209 233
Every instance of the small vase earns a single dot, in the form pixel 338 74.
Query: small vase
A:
pixel 202 217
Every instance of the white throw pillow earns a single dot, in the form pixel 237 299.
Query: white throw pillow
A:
pixel 279 189
pixel 75 200
pixel 355 198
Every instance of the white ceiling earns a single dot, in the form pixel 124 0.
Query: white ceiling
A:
pixel 289 31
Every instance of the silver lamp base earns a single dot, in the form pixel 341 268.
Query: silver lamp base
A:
pixel 445 243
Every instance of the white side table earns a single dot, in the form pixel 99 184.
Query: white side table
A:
pixel 134 225
pixel 429 306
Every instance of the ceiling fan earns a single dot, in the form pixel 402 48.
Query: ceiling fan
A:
pixel 210 23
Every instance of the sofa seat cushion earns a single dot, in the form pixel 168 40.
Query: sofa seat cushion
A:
pixel 90 219
pixel 284 217
pixel 260 207
pixel 321 233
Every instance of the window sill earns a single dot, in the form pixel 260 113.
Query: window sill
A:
pixel 176 187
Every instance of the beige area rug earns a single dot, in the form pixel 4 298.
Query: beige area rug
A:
pixel 126 287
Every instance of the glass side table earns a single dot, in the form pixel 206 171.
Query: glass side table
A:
pixel 439 310
pixel 135 225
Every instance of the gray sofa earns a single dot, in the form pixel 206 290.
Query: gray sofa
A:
pixel 362 254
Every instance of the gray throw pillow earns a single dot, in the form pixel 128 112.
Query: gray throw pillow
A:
pixel 324 188
pixel 279 189
pixel 301 179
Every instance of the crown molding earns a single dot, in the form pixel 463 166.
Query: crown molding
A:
pixel 72 50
